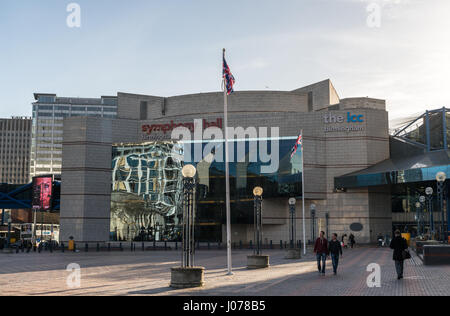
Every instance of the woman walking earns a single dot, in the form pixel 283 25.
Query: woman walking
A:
pixel 399 245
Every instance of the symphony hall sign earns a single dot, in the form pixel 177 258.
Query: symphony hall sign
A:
pixel 160 131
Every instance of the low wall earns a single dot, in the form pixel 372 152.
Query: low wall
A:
pixel 419 244
pixel 436 254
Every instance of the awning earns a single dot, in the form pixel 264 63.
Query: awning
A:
pixel 399 170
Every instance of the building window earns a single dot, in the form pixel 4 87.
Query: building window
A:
pixel 46 99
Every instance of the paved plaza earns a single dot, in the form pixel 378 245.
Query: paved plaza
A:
pixel 148 273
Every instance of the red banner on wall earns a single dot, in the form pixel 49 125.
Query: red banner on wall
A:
pixel 42 193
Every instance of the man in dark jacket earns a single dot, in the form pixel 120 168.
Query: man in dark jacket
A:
pixel 335 249
pixel 321 250
pixel 399 244
pixel 351 238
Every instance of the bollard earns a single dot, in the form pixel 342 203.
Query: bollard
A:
pixel 62 247
pixel 219 245
pixel 209 246
pixel 251 244
pixel 120 246
pixel 240 244
pixel 285 245
pixel 165 245
pixel 176 245
pixel 74 247
pixel 86 247
pixel 271 244
pixel 109 246
pixel 143 246
pixel 51 248
pixel 131 247
pixel 98 247
pixel 281 244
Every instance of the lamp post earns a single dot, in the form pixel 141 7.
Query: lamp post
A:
pixel 327 223
pixel 293 252
pixel 257 193
pixel 8 242
pixel 313 221
pixel 188 246
pixel 422 200
pixel 292 235
pixel 418 206
pixel 440 178
pixel 257 261
pixel 429 193
pixel 188 276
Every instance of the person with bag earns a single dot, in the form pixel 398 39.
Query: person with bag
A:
pixel 400 246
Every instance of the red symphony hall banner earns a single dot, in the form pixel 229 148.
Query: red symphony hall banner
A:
pixel 169 127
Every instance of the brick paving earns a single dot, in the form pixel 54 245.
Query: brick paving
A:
pixel 148 273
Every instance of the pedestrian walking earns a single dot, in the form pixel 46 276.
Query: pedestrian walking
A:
pixel 344 244
pixel 335 249
pixel 399 245
pixel 351 238
pixel 380 240
pixel 321 250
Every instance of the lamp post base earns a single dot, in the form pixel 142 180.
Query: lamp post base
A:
pixel 293 254
pixel 257 262
pixel 183 278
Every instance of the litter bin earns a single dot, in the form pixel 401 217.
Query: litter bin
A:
pixel 407 236
pixel 71 245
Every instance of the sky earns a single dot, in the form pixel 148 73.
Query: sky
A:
pixel 397 50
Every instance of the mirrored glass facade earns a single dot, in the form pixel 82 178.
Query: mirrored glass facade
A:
pixel 147 186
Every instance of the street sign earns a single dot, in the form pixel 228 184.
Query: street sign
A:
pixel 429 191
pixel 422 199
pixel 292 201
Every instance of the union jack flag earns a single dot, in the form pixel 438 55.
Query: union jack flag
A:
pixel 228 77
pixel 299 142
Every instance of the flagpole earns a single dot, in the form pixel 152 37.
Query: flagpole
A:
pixel 227 176
pixel 303 194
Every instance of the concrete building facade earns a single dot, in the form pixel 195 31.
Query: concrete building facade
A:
pixel 341 136
pixel 49 111
pixel 15 144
